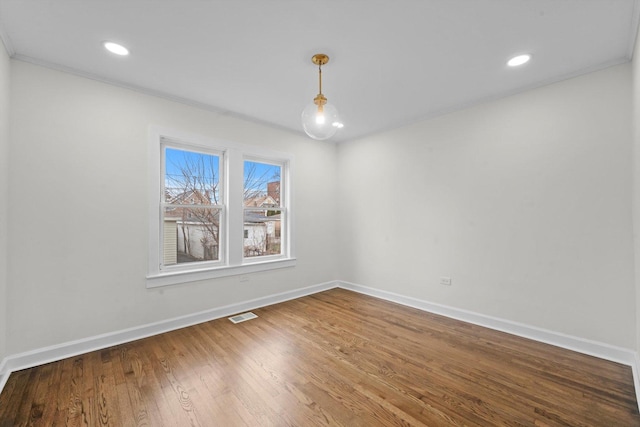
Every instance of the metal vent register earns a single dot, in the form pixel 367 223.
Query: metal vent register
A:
pixel 242 317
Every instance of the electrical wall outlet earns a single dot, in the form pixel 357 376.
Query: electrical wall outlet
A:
pixel 445 281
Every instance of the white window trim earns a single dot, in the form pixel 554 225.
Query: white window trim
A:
pixel 232 261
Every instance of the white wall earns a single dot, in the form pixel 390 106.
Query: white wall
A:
pixel 636 178
pixel 4 191
pixel 524 202
pixel 79 208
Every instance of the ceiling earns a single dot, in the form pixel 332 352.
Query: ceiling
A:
pixel 392 62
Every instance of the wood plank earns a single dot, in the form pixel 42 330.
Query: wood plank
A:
pixel 332 358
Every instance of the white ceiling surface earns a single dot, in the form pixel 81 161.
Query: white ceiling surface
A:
pixel 392 62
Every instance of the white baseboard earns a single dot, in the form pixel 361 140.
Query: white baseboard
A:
pixel 4 376
pixel 73 348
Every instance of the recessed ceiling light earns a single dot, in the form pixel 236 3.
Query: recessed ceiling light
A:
pixel 519 60
pixel 116 48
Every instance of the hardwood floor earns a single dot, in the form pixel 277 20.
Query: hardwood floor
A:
pixel 333 358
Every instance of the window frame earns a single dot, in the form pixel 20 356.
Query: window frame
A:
pixel 282 207
pixel 231 243
pixel 180 145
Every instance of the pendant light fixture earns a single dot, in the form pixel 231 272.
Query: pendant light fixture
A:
pixel 320 119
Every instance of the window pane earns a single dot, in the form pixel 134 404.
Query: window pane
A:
pixel 190 235
pixel 261 184
pixel 191 178
pixel 262 232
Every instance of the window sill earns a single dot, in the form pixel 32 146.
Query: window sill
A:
pixel 177 277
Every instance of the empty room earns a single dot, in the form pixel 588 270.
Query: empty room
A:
pixel 319 213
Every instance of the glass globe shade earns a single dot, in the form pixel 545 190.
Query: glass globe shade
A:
pixel 320 125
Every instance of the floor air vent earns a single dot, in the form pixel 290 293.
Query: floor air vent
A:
pixel 242 317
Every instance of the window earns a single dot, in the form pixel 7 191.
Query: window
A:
pixel 216 209
pixel 192 208
pixel 263 210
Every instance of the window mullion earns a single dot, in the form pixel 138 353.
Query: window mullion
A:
pixel 235 217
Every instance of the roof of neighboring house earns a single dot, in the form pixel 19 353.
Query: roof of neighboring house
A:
pixel 260 201
pixel 259 217
pixel 179 196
